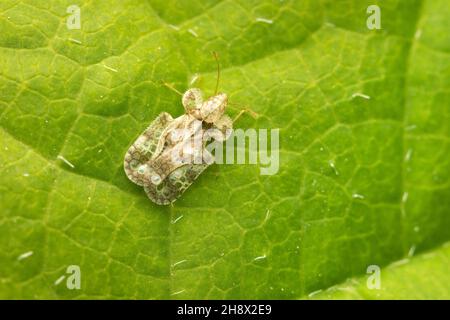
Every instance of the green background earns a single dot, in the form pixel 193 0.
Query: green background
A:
pixel 59 96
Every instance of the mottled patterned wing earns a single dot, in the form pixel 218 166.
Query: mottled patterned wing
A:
pixel 144 148
pixel 175 184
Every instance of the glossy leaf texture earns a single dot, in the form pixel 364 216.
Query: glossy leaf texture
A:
pixel 364 176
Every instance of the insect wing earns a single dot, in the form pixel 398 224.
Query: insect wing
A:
pixel 180 149
pixel 144 148
pixel 175 184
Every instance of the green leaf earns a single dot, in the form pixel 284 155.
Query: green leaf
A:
pixel 361 181
pixel 404 279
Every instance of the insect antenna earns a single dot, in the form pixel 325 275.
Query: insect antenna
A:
pixel 216 57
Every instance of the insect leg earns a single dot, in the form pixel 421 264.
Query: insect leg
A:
pixel 171 87
pixel 252 113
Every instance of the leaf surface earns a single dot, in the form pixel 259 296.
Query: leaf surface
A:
pixel 360 181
